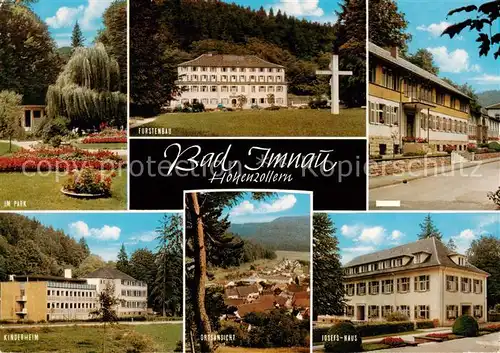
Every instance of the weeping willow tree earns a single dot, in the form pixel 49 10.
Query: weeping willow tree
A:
pixel 87 91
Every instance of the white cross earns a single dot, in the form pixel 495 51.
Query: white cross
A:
pixel 334 81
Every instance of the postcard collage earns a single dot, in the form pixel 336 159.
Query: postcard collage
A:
pixel 239 176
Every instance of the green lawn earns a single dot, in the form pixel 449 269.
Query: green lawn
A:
pixel 101 146
pixel 76 339
pixel 42 192
pixel 293 122
pixel 166 336
pixel 4 149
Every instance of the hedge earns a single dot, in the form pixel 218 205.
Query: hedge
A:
pixel 425 324
pixel 370 329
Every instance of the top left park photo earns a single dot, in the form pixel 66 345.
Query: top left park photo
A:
pixel 63 105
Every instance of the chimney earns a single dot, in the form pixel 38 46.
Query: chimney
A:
pixel 67 273
pixel 395 52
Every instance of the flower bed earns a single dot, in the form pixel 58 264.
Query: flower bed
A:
pixel 59 159
pixel 491 328
pixel 107 136
pixel 395 342
pixel 88 183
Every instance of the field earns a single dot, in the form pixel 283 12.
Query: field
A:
pixel 297 122
pixel 101 146
pixel 221 273
pixel 76 339
pixel 42 192
pixel 263 350
pixel 4 148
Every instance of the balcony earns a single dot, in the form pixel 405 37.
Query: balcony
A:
pixel 21 298
pixel 23 311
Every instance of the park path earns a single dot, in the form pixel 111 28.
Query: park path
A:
pixel 136 123
pixel 91 324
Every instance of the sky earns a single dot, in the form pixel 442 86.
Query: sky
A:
pixel 457 58
pixel 281 205
pixel 314 10
pixel 61 15
pixel 360 233
pixel 105 232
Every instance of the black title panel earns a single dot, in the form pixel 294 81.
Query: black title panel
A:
pixel 161 169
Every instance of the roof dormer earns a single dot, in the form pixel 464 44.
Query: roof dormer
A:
pixel 458 259
pixel 420 257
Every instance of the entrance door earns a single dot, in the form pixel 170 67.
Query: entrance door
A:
pixel 466 310
pixel 27 118
pixel 360 314
pixel 410 124
pixel 233 102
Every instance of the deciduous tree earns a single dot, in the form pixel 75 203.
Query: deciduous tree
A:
pixel 387 25
pixel 10 116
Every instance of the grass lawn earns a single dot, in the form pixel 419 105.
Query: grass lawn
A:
pixel 293 122
pixel 76 339
pixel 42 192
pixel 224 349
pixel 166 336
pixel 101 146
pixel 4 149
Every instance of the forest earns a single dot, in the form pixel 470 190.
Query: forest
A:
pixel 181 30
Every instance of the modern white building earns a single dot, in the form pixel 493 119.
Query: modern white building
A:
pixel 423 280
pixel 133 293
pixel 229 80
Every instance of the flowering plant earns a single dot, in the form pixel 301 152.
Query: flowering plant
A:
pixel 107 135
pixel 89 181
pixel 393 341
pixel 449 148
pixel 438 335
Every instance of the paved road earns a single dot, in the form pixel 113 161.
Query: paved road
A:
pixel 487 343
pixel 90 324
pixel 464 189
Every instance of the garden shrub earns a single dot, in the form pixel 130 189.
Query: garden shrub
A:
pixel 495 196
pixel 417 153
pixel 497 308
pixel 318 103
pixel 465 325
pixel 397 316
pixel 55 141
pixel 134 342
pixel 343 330
pixel 53 127
pixel 393 341
pixel 425 324
pixel 374 329
pixel 494 146
pixel 88 181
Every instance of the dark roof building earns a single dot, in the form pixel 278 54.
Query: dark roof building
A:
pixel 110 273
pixel 223 60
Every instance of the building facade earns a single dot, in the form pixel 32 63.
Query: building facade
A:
pixel 423 280
pixel 46 298
pixel 493 124
pixel 408 104
pixel 132 293
pixel 32 116
pixel 232 81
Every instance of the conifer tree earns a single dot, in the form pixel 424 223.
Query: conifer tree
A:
pixel 122 263
pixel 451 245
pixel 428 229
pixel 77 38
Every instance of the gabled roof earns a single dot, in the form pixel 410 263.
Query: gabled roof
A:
pixel 386 55
pixel 223 60
pixel 439 256
pixel 110 273
pixel 494 106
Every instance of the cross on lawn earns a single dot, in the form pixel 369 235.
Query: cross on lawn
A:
pixel 334 82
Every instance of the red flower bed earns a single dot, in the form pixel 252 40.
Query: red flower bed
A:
pixel 105 140
pixel 438 335
pixel 491 328
pixel 59 159
pixel 393 341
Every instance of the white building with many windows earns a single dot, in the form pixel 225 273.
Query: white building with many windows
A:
pixel 133 293
pixel 229 80
pixel 423 280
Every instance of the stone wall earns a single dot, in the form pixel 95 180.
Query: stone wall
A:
pixel 407 164
pixel 376 141
pixel 482 156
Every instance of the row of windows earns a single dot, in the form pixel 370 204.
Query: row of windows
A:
pixel 232 89
pixel 228 69
pixel 467 285
pixel 71 305
pixel 135 305
pixel 452 312
pixel 381 265
pixel 411 89
pixel 226 101
pixel 70 293
pixel 67 285
pixel 233 78
pixel 388 115
pixel 134 293
pixel 421 284
pixel 133 283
